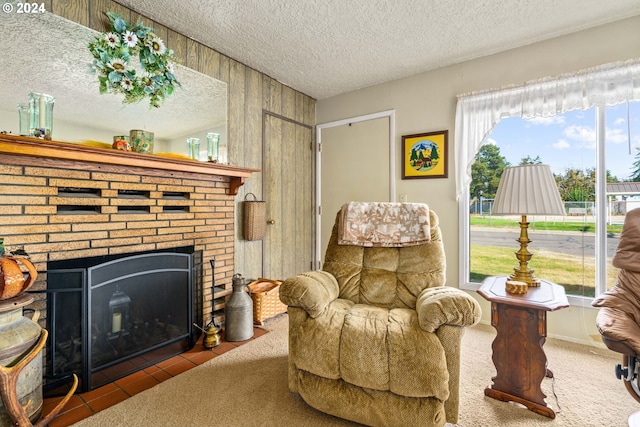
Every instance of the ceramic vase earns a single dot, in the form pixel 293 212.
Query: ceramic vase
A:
pixel 121 142
pixel 141 141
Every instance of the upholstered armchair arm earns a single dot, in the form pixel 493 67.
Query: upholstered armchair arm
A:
pixel 312 291
pixel 446 305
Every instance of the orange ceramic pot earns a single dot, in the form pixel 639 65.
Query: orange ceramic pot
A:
pixel 121 143
pixel 12 280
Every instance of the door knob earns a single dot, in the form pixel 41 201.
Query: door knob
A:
pixel 271 221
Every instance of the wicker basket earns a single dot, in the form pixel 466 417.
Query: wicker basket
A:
pixel 266 300
pixel 255 221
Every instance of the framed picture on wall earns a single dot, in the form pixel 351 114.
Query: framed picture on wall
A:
pixel 424 155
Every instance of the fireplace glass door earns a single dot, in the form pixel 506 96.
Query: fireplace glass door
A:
pixel 120 316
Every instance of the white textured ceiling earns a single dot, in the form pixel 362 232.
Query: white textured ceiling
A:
pixel 328 47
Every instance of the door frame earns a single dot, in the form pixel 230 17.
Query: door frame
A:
pixel 391 115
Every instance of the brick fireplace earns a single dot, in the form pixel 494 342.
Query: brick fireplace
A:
pixel 63 201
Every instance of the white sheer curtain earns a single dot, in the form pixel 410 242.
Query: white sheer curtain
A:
pixel 478 112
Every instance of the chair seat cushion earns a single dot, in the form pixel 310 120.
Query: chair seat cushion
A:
pixel 621 331
pixel 373 347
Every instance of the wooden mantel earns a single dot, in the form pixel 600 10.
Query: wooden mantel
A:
pixel 33 147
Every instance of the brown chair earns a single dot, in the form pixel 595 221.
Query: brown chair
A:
pixel 374 337
pixel 618 320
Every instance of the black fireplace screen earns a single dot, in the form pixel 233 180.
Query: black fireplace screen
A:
pixel 122 315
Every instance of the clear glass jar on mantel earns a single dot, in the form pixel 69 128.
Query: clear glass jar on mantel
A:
pixel 216 149
pixel 41 115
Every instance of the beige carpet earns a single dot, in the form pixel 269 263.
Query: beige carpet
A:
pixel 248 387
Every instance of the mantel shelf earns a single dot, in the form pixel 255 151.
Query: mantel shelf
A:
pixel 25 146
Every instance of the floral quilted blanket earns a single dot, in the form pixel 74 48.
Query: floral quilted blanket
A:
pixel 384 224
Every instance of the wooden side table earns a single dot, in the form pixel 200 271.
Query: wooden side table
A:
pixel 521 326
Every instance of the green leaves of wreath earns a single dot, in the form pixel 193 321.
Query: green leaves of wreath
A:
pixel 113 52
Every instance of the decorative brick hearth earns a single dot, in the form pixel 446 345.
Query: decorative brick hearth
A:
pixel 61 201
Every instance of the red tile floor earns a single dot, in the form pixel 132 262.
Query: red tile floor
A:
pixel 84 405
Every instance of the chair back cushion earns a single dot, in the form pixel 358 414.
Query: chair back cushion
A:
pixel 383 276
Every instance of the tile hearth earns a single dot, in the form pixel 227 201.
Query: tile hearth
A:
pixel 86 404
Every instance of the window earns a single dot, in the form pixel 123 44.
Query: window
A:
pixel 590 109
pixel 564 247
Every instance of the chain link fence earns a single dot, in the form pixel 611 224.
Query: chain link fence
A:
pixel 483 207
pixel 617 208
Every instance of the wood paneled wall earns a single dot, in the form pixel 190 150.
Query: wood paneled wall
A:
pixel 250 93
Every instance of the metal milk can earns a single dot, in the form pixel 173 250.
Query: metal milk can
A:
pixel 18 335
pixel 239 311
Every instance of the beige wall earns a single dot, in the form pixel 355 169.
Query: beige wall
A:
pixel 426 102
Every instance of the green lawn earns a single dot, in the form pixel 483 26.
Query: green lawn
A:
pixel 563 269
pixel 576 274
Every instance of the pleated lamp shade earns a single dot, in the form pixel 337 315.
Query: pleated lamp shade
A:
pixel 527 190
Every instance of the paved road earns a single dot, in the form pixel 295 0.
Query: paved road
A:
pixel 579 244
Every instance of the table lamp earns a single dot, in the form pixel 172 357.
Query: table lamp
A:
pixel 526 190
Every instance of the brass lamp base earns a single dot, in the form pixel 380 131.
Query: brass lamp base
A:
pixel 526 277
pixel 523 273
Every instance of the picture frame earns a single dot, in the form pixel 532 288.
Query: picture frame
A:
pixel 425 155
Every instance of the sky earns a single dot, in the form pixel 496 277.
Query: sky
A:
pixel 568 140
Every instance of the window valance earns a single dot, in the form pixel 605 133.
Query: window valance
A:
pixel 478 112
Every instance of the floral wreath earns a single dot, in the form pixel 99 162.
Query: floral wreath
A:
pixel 112 51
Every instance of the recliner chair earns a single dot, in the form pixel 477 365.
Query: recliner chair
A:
pixel 374 337
pixel 618 320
